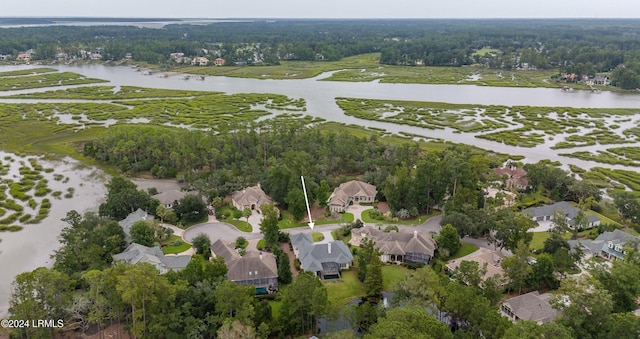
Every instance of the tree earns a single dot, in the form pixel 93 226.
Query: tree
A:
pixel 269 226
pixel 235 302
pixel 247 212
pixel 199 269
pixel 303 303
pixel 123 197
pixel 322 193
pixel 525 329
pixel 584 304
pixel 408 322
pixel 233 329
pixel 517 268
pixel 373 280
pixel 448 241
pixel 191 209
pixel 461 222
pixel 628 208
pixel 284 266
pixel 296 203
pixel 41 294
pixel 424 288
pixel 142 233
pixel 542 273
pixel 366 254
pixel 511 228
pixel 161 212
pixel 622 281
pixel 202 244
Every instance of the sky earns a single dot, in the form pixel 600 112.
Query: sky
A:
pixel 324 8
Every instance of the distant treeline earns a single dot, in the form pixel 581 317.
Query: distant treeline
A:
pixel 571 45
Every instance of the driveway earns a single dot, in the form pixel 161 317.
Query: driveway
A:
pixel 217 230
pixel 357 210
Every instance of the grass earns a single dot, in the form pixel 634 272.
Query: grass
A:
pixel 241 225
pixel 346 289
pixel 465 249
pixel 392 274
pixel 169 247
pixel 366 218
pixel 347 217
pixel 537 242
pixel 316 236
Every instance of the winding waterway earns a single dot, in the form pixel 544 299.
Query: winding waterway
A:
pixel 320 97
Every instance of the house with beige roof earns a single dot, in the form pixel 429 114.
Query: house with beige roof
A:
pixel 532 306
pixel 483 256
pixel 251 197
pixel 349 193
pixel 398 247
pixel 168 198
pixel 253 268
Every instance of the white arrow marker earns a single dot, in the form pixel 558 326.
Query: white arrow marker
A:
pixel 306 200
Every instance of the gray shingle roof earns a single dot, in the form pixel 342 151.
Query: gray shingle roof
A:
pixel 398 243
pixel 533 306
pixel 168 197
pixel 312 256
pixel 251 195
pixel 136 253
pixel 131 219
pixel 341 194
pixel 566 207
pixel 253 265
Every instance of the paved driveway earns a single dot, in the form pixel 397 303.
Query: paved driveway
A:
pixel 217 230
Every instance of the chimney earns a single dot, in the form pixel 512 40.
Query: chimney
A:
pixel 329 248
pixel 415 234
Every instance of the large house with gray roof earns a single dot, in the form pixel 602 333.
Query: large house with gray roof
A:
pixel 349 193
pixel 169 198
pixel 608 245
pixel 253 268
pixel 545 214
pixel 532 306
pixel 136 253
pixel 411 247
pixel 325 260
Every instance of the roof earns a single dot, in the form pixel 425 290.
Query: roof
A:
pixel 341 194
pixel 399 243
pixel 566 207
pixel 251 195
pixel 131 219
pixel 493 259
pixel 533 306
pixel 253 265
pixel 136 253
pixel 517 174
pixel 601 243
pixel 169 197
pixel 224 249
pixel 312 256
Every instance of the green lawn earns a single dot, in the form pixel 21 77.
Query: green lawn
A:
pixel 287 221
pixel 347 217
pixel 392 274
pixel 342 291
pixel 169 248
pixel 316 236
pixel 409 222
pixel 241 225
pixel 465 249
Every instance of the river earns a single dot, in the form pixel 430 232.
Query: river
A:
pixel 320 97
pixel 31 247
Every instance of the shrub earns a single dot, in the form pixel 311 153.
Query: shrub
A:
pixel 12 228
pixel 237 214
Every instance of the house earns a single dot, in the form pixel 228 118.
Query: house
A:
pixel 136 253
pixel 531 306
pixel 132 218
pixel 601 80
pixel 218 62
pixel 349 193
pixel 176 56
pixel 544 214
pixel 412 247
pixel 250 197
pixel 608 245
pixel 325 260
pixel 513 178
pixel 5 57
pixel 254 268
pixel 492 259
pixel 128 56
pixel 200 61
pixel 168 198
pixel 26 56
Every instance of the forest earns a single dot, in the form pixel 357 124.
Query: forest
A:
pixel 570 46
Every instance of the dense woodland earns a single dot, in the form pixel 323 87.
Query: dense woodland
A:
pixel 569 45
